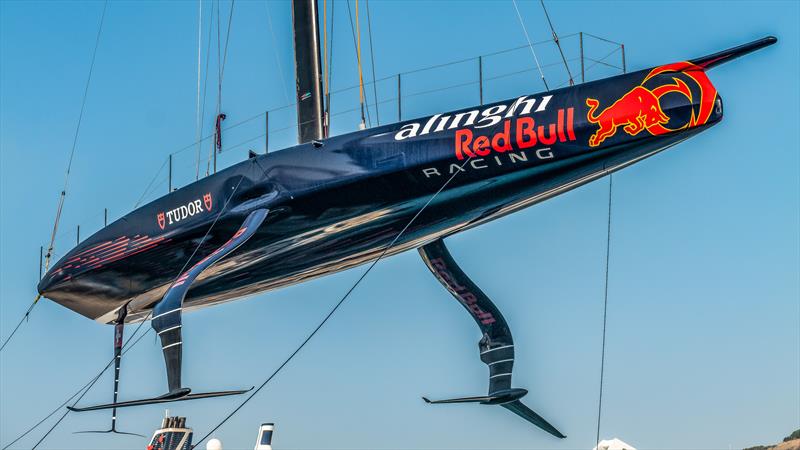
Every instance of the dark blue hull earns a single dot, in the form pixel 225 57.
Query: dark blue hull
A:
pixel 339 204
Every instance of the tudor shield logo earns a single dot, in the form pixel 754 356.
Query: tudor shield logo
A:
pixel 191 209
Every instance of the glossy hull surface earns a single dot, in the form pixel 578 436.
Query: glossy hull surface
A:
pixel 340 204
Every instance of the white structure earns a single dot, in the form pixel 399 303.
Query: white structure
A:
pixel 614 444
pixel 173 435
pixel 214 444
pixel 264 439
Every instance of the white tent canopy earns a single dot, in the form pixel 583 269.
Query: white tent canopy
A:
pixel 614 444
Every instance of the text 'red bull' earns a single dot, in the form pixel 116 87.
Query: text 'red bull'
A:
pixel 518 134
pixel 464 296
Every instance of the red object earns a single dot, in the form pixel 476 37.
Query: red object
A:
pixel 220 118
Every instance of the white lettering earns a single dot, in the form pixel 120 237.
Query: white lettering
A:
pixel 407 131
pixel 431 171
pixel 492 115
pixel 544 153
pixel 457 118
pixel 545 101
pixel 488 117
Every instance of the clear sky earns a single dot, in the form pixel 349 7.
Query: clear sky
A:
pixel 703 347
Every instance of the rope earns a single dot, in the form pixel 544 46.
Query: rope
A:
pixel 23 319
pixel 325 47
pixel 225 52
pixel 372 62
pixel 198 130
pixel 205 90
pixel 335 307
pixel 605 310
pixel 61 198
pixel 216 146
pixel 596 62
pixel 325 88
pixel 63 404
pixel 212 155
pixel 381 102
pixel 358 52
pixel 558 44
pixel 91 384
pixel 85 387
pixel 150 184
pixel 275 52
pixel 185 264
pixel 530 45
pixel 328 76
pixel 357 45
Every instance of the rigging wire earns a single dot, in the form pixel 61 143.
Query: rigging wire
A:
pixel 328 75
pixel 212 153
pixel 205 90
pixel 336 306
pixel 596 62
pixel 199 118
pixel 221 60
pixel 558 43
pixel 275 52
pixel 605 310
pixel 21 320
pixel 150 184
pixel 372 62
pixel 62 196
pixel 289 105
pixel 128 345
pixel 530 45
pixel 185 264
pixel 324 66
pixel 91 384
pixel 357 45
pixel 225 52
pixel 360 70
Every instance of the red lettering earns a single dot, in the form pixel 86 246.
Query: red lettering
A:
pixel 504 136
pixel 526 136
pixel 469 298
pixel 463 139
pixel 561 136
pixel 481 146
pixel 570 129
pixel 550 140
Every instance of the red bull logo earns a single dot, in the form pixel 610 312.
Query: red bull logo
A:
pixel 640 108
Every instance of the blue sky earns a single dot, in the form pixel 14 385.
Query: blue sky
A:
pixel 703 346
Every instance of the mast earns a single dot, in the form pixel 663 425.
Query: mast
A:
pixel 308 74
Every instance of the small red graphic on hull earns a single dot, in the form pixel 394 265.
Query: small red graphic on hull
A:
pixel 208 201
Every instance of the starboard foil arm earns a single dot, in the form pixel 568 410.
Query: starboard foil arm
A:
pixel 167 320
pixel 496 346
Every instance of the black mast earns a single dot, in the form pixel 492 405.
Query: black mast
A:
pixel 307 70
